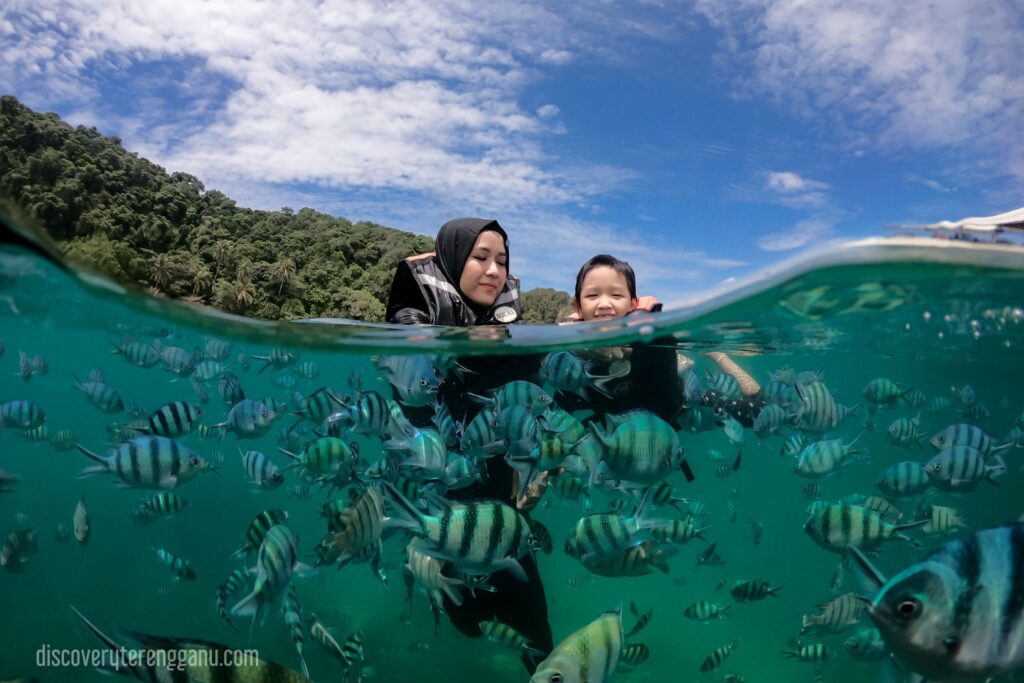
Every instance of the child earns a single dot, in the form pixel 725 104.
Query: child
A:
pixel 605 289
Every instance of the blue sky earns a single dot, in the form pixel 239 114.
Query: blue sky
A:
pixel 699 140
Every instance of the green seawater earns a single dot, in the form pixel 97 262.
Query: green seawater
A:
pixel 928 317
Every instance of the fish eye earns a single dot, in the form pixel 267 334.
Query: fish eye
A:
pixel 556 678
pixel 194 462
pixel 908 608
pixel 423 381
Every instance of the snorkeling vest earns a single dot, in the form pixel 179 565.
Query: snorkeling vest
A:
pixel 445 304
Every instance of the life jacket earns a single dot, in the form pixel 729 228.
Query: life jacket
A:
pixel 644 303
pixel 446 305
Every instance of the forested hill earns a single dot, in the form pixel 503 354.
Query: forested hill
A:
pixel 127 217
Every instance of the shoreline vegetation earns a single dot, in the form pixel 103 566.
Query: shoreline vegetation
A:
pixel 126 217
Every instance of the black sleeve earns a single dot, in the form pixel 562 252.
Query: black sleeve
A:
pixel 406 305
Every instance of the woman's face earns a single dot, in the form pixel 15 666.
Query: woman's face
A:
pixel 484 274
pixel 604 295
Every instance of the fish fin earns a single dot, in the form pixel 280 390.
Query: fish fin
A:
pixel 868 572
pixel 91 470
pixel 105 639
pixel 514 568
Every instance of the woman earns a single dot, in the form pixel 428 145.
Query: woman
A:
pixel 465 282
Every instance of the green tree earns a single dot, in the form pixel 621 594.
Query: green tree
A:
pixel 283 273
pixel 161 270
pixel 543 305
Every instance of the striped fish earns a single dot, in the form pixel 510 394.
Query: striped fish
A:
pixel 261 470
pixel 137 353
pixel 965 435
pixel 704 610
pixel 180 567
pixel 320 405
pixel 915 398
pixel 425 451
pixel 885 508
pixel 792 446
pixel 307 369
pixel 938 404
pixel 823 458
pixel 171 659
pixel 257 529
pixel 866 645
pixel 414 378
pixel 960 468
pixel 640 448
pixel 249 419
pixel 883 391
pixel 36 434
pixel 752 590
pixel 834 616
pixel 482 436
pixel 642 620
pixel 607 534
pixel 352 649
pixel 839 526
pixel 369 415
pixel 199 389
pixel 291 611
pixel 229 388
pixel 816 412
pixel 518 393
pixel 677 531
pixel 446 425
pixel 724 385
pixel 812 653
pixel 324 457
pixel 217 349
pixel 322 636
pixel 941 520
pixel 568 486
pixel 209 369
pixel 174 419
pixel 558 421
pixel 237 580
pixel 564 371
pixel 481 537
pixel 634 654
pixel 164 504
pixel 21 414
pixel 507 637
pixel 906 432
pixel 148 462
pixel 361 525
pixel 426 571
pixel 177 360
pixel 714 660
pixel 811 491
pixel 276 358
pixel 286 381
pixel 907 478
pixel 277 561
pixel 590 654
pixel 958 614
pixel 64 440
pixel 769 421
pixel 636 560
pixel 9 481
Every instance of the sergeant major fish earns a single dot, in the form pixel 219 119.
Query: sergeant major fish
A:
pixel 590 655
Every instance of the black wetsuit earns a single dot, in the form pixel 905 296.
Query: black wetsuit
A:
pixel 422 292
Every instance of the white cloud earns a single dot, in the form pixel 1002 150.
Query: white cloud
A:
pixel 904 75
pixel 801 234
pixel 415 95
pixel 548 111
pixel 790 189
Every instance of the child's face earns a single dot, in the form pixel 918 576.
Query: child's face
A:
pixel 604 295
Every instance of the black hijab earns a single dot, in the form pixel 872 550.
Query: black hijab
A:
pixel 455 242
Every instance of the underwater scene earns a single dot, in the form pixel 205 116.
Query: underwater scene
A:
pixel 728 492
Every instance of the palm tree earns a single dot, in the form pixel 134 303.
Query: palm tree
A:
pixel 245 294
pixel 201 277
pixel 243 273
pixel 161 270
pixel 221 252
pixel 283 272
